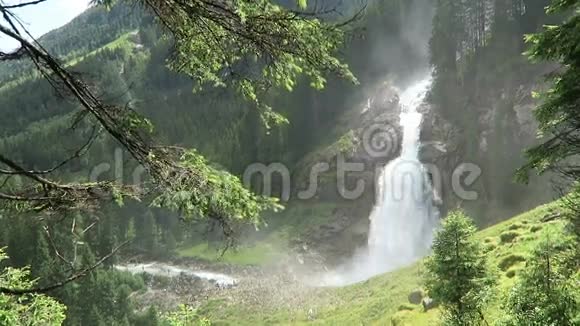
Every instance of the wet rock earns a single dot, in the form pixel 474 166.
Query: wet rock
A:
pixel 374 139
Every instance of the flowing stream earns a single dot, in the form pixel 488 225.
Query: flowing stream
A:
pixel 404 217
pixel 161 269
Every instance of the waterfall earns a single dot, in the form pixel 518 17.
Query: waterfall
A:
pixel 403 219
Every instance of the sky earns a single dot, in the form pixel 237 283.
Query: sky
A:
pixel 43 17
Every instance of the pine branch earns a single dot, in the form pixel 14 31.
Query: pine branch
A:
pixel 14 55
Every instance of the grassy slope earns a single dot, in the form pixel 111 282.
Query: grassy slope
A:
pixel 383 300
pixel 122 41
pixel 294 221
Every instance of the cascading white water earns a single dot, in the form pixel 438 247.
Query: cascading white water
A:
pixel 403 219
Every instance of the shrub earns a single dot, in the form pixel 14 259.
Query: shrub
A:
pixel 510 260
pixel 535 228
pixel 508 236
pixel 547 292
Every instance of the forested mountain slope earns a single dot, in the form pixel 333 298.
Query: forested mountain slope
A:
pixel 90 31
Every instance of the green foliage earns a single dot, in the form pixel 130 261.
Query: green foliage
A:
pixel 251 45
pixel 558 116
pixel 347 144
pixel 457 275
pixel 544 295
pixel 213 191
pixel 572 210
pixel 186 316
pixel 509 236
pixel 33 309
pixel 87 32
pixel 110 290
pixel 510 260
pixel 299 46
pixel 547 292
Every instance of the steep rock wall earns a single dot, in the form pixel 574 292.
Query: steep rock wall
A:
pixel 491 137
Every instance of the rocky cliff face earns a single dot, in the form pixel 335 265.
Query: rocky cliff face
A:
pixel 485 142
pixel 371 140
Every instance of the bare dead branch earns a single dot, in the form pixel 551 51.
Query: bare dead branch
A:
pixel 55 249
pixel 14 55
pixel 24 4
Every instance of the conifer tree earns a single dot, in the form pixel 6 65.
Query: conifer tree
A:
pixel 146 232
pixel 123 307
pixel 41 261
pixel 457 275
pixel 148 318
pixel 106 239
pixel 94 318
pixel 559 114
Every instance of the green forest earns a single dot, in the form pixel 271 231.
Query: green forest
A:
pixel 290 162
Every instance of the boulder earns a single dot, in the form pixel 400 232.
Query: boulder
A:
pixel 416 296
pixel 428 303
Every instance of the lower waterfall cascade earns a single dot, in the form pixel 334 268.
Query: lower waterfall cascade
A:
pixel 404 217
